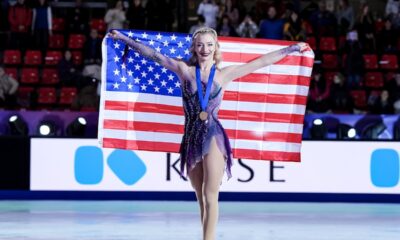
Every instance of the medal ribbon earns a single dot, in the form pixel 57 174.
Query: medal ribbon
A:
pixel 204 101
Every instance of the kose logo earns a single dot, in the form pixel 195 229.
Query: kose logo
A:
pixel 89 165
pixel 385 168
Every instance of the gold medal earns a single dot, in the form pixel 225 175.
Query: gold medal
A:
pixel 203 115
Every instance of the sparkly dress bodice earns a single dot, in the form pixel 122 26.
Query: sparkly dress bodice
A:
pixel 198 133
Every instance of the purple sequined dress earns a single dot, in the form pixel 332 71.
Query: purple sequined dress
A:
pixel 198 134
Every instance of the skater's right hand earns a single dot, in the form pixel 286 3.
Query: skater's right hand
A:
pixel 116 35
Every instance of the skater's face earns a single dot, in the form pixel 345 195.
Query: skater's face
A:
pixel 205 46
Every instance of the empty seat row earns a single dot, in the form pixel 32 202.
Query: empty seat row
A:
pixel 96 23
pixel 48 76
pixel 47 95
pixel 386 62
pixel 34 57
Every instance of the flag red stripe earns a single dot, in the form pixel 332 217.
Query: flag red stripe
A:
pixel 268 98
pixel 247 57
pixel 266 155
pixel 275 79
pixel 178 129
pixel 140 145
pixel 260 116
pixel 223 114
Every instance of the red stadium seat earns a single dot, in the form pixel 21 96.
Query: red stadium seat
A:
pixel 24 96
pixel 12 72
pixel 76 41
pixel 77 57
pixel 56 41
pixel 389 62
pixel 327 44
pixel 98 24
pixel 46 95
pixel 379 25
pixel 342 42
pixel 12 57
pixel 308 27
pixel 329 61
pixel 53 57
pixel 50 76
pixel 58 24
pixel 371 61
pixel 312 42
pixel 67 95
pixel 359 98
pixel 389 76
pixel 374 79
pixel 33 57
pixel 30 75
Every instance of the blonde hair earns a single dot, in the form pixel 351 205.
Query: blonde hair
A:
pixel 217 53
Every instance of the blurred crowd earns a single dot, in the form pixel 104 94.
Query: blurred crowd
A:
pixel 344 38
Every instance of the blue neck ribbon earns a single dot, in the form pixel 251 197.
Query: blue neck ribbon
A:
pixel 204 101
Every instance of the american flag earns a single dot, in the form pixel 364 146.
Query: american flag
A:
pixel 262 113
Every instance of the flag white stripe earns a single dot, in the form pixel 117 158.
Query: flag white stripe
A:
pixel 263 107
pixel 144 97
pixel 177 138
pixel 234 86
pixel 143 117
pixel 277 69
pixel 228 124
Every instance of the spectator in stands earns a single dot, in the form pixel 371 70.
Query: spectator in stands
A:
pixel 4 26
pixel 87 98
pixel 209 10
pixel 225 27
pixel 78 20
pixel 294 28
pixel 382 104
pixel 318 98
pixel 115 17
pixel 395 19
pixel 387 38
pixel 201 22
pixel 92 48
pixel 248 28
pixel 323 21
pixel 231 10
pixel 20 20
pixel 340 98
pixel 42 25
pixel 4 6
pixel 354 61
pixel 394 91
pixel 345 17
pixel 69 74
pixel 136 15
pixel 8 88
pixel 272 26
pixel 167 17
pixel 392 8
pixel 365 27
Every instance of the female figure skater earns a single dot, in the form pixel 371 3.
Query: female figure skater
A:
pixel 205 149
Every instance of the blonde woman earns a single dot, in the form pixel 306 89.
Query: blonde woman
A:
pixel 205 150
